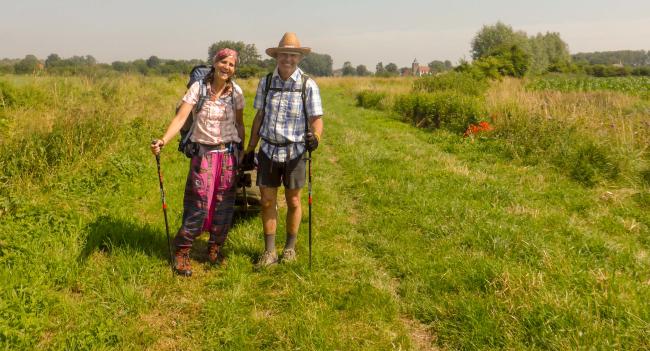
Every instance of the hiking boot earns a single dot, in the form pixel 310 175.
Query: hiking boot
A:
pixel 182 262
pixel 288 256
pixel 215 254
pixel 269 258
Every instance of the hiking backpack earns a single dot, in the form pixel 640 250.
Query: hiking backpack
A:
pixel 198 73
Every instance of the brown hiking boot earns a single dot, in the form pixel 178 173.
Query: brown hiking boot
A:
pixel 182 262
pixel 215 254
pixel 288 256
pixel 268 258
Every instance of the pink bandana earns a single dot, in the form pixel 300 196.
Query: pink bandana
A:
pixel 223 53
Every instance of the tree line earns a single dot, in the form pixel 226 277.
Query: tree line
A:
pixel 499 50
pixel 250 63
pixel 632 58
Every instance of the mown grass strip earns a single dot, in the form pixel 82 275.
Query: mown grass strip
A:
pixel 488 253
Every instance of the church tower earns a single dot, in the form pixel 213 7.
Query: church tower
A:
pixel 415 67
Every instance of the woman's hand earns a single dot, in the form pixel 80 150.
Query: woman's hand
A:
pixel 156 146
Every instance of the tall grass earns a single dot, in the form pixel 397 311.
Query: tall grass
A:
pixel 422 238
pixel 592 136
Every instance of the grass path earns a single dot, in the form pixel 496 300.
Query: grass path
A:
pixel 422 240
pixel 488 253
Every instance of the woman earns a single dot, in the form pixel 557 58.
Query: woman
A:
pixel 218 130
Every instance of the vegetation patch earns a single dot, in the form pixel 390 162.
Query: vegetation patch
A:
pixel 639 86
pixel 371 99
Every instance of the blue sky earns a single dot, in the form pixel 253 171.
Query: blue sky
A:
pixel 362 32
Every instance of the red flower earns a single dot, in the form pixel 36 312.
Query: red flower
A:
pixel 474 129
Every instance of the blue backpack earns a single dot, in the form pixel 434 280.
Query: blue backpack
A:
pixel 198 73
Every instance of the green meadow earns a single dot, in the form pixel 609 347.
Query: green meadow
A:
pixel 532 236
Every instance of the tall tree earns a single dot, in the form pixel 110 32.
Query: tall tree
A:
pixel 153 62
pixel 247 52
pixel 52 60
pixel 379 68
pixel 439 66
pixel 316 64
pixel 362 70
pixel 348 70
pixel 547 50
pixel 391 68
pixel 27 65
pixel 496 37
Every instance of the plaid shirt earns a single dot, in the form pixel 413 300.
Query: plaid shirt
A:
pixel 284 121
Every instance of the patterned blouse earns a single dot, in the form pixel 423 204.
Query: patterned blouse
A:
pixel 215 123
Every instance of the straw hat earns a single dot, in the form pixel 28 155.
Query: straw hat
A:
pixel 288 43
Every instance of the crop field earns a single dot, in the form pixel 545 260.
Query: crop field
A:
pixel 533 234
pixel 629 85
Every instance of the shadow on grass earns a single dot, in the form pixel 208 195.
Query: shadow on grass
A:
pixel 241 216
pixel 245 247
pixel 108 233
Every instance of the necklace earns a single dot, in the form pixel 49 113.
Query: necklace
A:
pixel 214 95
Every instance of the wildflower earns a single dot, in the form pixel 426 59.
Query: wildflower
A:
pixel 474 129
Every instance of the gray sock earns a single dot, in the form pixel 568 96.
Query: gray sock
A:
pixel 269 242
pixel 291 241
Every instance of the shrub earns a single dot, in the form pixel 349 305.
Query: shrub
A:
pixel 370 99
pixel 25 96
pixel 446 109
pixel 588 163
pixel 561 143
pixel 37 154
pixel 461 82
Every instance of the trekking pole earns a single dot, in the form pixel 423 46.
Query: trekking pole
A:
pixel 243 185
pixel 164 207
pixel 309 192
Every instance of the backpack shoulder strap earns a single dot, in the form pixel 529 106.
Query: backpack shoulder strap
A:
pixel 189 126
pixel 203 95
pixel 267 87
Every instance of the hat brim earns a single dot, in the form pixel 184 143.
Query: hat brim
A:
pixel 273 52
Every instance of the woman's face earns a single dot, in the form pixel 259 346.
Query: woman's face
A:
pixel 224 68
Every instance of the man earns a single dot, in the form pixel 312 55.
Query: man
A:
pixel 281 122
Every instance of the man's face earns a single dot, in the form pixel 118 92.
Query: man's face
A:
pixel 288 61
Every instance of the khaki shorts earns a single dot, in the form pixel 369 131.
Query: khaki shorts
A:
pixel 271 174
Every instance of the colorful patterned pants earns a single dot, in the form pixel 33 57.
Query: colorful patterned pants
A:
pixel 209 198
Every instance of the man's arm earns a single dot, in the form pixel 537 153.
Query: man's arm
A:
pixel 316 125
pixel 312 138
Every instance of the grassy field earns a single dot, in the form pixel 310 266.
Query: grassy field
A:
pixel 424 240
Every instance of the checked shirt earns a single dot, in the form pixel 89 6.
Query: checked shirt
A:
pixel 284 121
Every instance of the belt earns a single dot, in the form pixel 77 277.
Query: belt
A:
pixel 216 147
pixel 277 144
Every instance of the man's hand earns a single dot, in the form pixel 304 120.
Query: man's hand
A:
pixel 248 161
pixel 311 141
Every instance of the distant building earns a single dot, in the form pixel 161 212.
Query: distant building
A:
pixel 418 70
